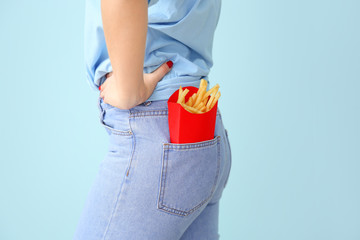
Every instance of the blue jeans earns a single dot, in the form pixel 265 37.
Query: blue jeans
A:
pixel 149 188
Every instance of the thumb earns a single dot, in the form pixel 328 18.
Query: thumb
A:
pixel 161 71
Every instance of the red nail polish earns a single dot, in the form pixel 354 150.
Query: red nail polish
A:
pixel 100 87
pixel 169 63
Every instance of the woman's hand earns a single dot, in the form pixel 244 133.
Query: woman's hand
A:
pixel 125 25
pixel 110 93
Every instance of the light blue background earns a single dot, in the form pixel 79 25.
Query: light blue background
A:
pixel 289 76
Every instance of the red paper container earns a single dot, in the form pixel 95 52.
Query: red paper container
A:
pixel 186 127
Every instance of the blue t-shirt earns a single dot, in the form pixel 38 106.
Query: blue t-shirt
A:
pixel 180 31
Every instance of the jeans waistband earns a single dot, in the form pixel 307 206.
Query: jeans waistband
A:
pixel 148 108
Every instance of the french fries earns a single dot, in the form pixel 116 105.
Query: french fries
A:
pixel 181 98
pixel 199 102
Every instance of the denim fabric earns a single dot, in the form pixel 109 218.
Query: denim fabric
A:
pixel 149 188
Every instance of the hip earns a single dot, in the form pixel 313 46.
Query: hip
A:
pixel 140 136
pixel 145 177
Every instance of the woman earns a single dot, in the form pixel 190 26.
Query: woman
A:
pixel 138 53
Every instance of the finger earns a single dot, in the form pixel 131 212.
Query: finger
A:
pixel 161 71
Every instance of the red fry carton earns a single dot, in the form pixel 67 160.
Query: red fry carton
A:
pixel 187 127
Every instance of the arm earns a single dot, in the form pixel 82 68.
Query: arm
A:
pixel 125 28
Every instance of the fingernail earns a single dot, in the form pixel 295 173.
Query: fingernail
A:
pixel 100 87
pixel 169 63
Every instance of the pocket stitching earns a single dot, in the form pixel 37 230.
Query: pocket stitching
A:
pixel 189 146
pixel 179 211
pixel 227 139
pixel 113 130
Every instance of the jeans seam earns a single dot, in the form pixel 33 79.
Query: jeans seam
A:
pixel 112 214
pixel 122 184
pixel 133 149
pixel 228 173
pixel 191 146
pixel 149 113
pixel 122 133
pixel 145 113
pixel 114 209
pixel 163 178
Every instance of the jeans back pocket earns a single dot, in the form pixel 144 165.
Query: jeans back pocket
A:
pixel 189 175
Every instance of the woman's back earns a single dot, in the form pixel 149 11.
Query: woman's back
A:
pixel 180 31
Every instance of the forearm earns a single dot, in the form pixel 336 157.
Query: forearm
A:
pixel 125 27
